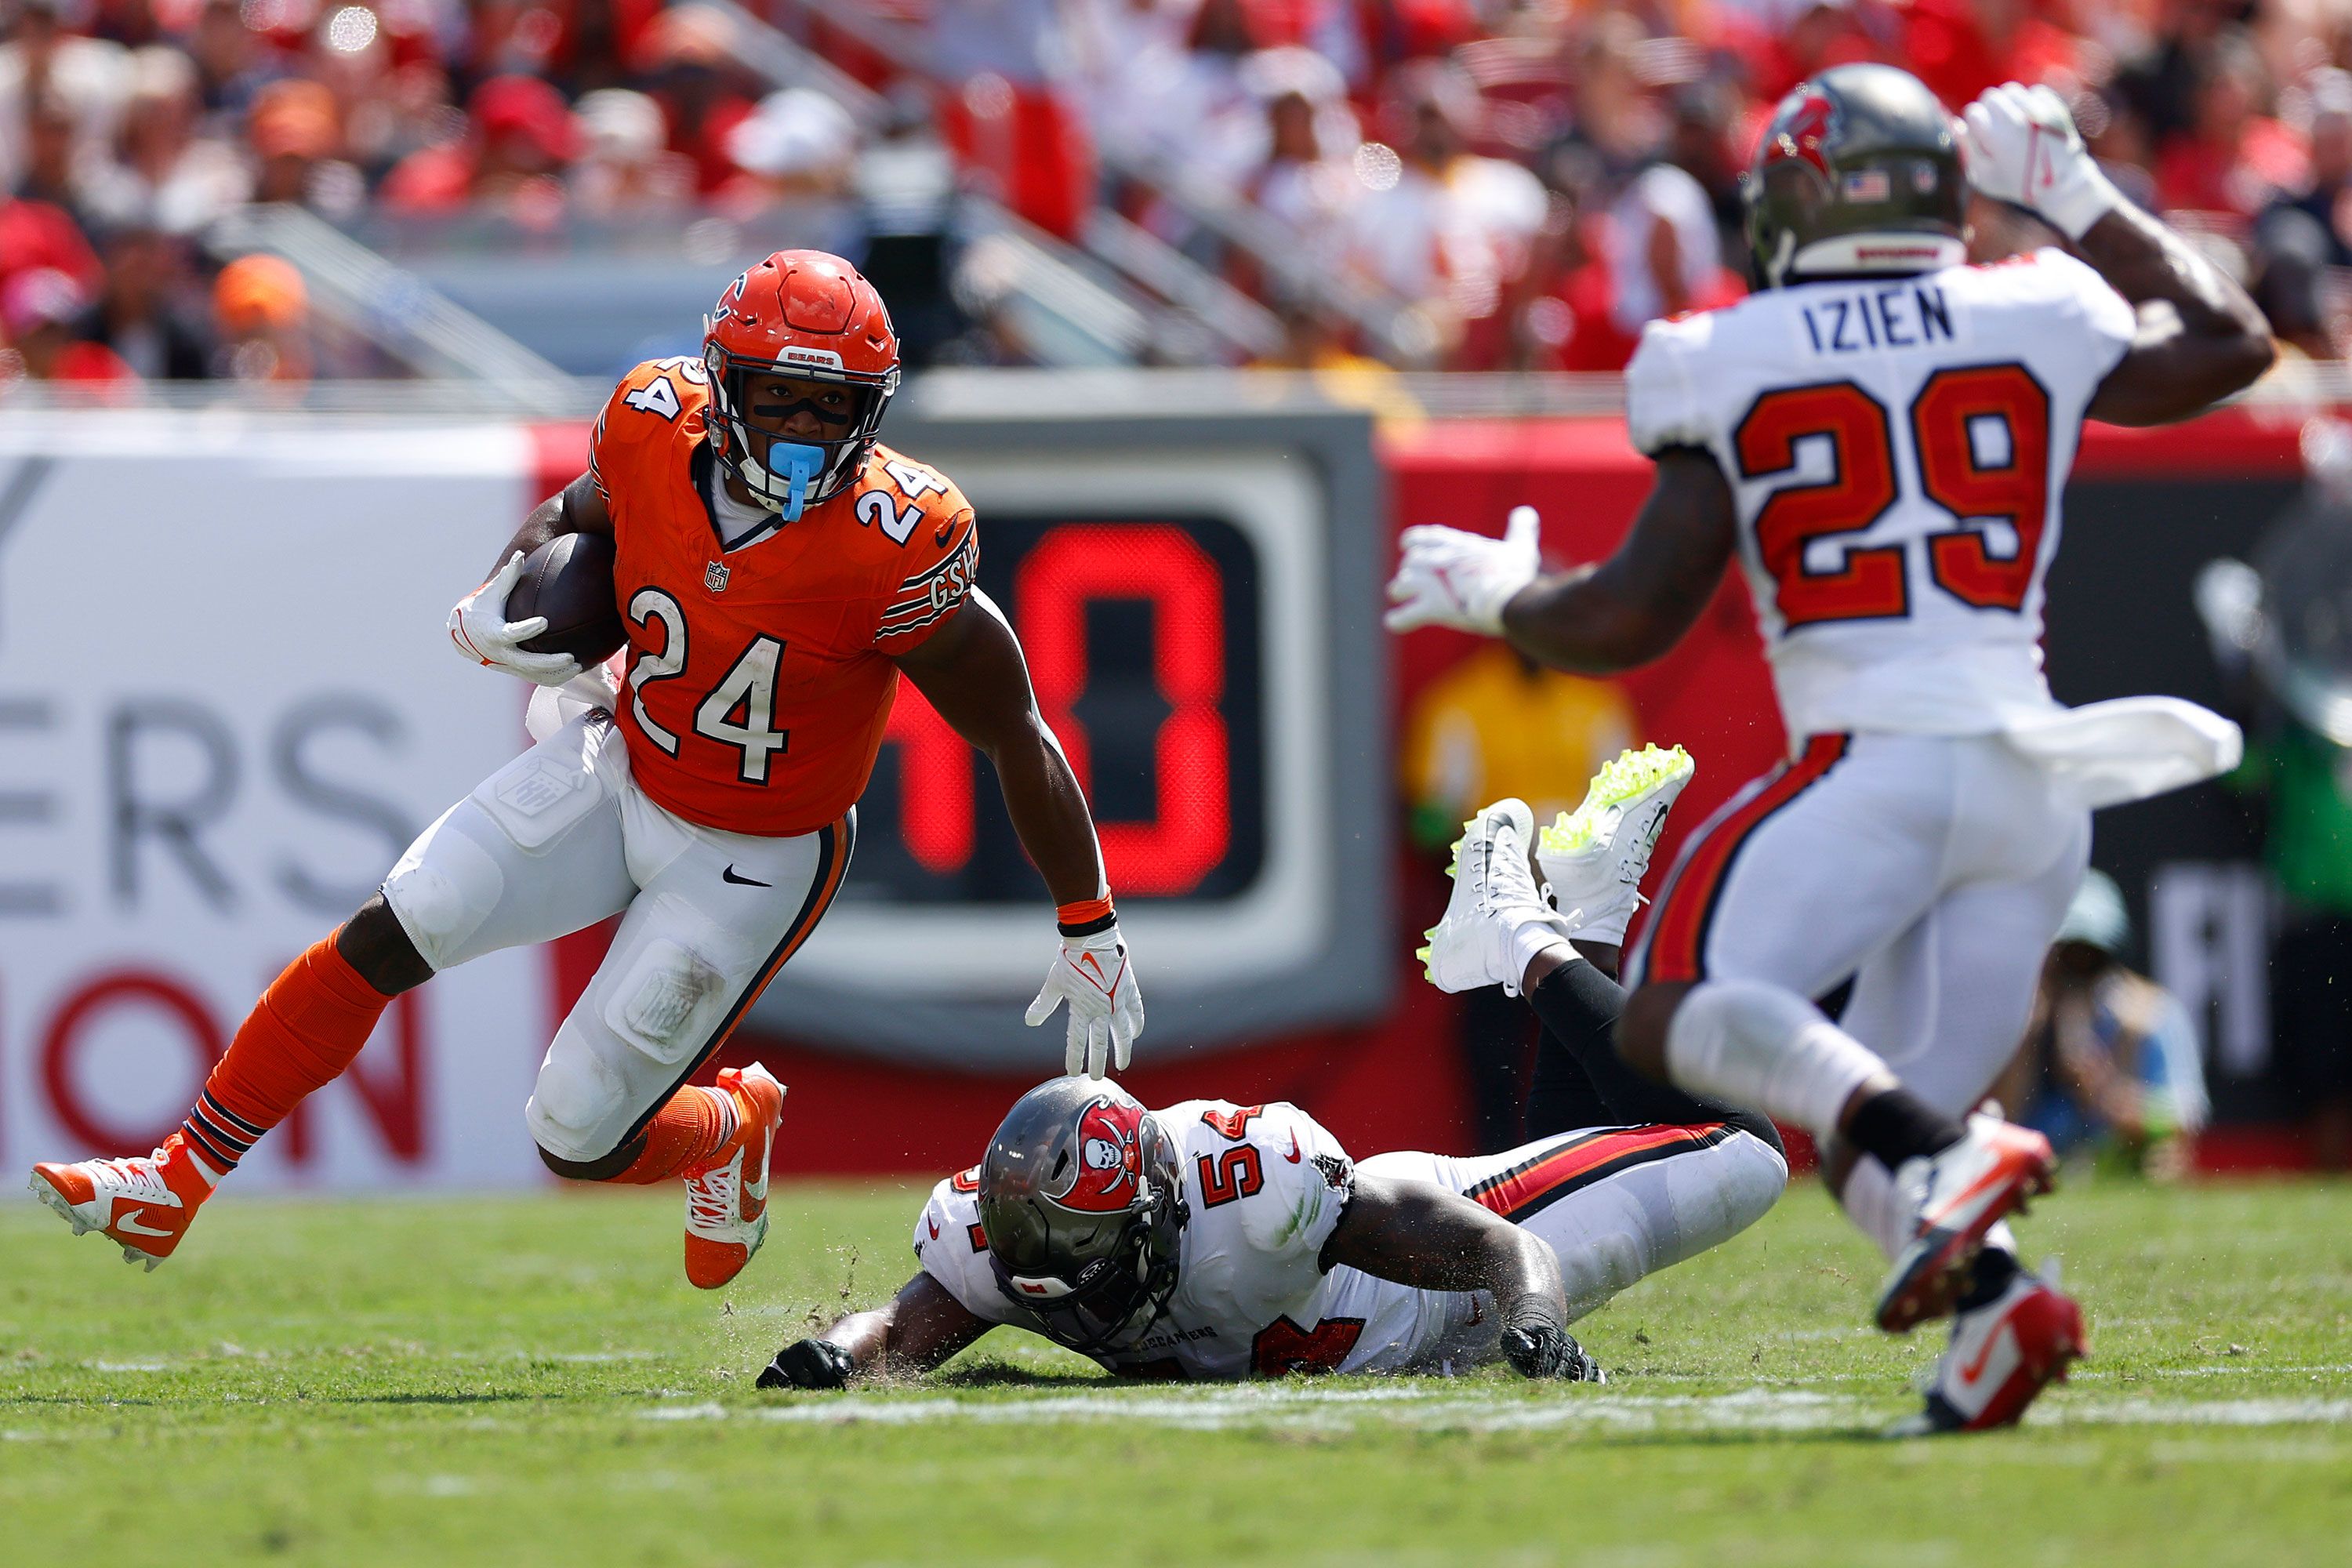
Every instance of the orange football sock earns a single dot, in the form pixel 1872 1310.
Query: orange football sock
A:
pixel 693 1126
pixel 301 1035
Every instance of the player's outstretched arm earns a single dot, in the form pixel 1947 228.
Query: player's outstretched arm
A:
pixel 914 1331
pixel 972 672
pixel 1422 1235
pixel 2023 149
pixel 1635 606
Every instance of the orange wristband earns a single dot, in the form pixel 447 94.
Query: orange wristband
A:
pixel 1083 916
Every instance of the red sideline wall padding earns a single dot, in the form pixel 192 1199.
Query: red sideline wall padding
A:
pixel 1396 1085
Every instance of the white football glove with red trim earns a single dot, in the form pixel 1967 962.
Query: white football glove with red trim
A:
pixel 479 629
pixel 1095 975
pixel 2022 149
pixel 1446 577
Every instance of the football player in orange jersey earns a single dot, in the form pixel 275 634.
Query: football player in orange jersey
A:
pixel 777 571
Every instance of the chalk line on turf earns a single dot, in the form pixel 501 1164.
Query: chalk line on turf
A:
pixel 1749 1410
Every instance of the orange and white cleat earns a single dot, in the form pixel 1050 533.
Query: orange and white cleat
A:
pixel 2003 1356
pixel 144 1204
pixel 1958 1194
pixel 727 1199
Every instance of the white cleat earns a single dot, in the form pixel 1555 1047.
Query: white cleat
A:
pixel 1957 1195
pixel 1593 859
pixel 1494 896
pixel 2003 1356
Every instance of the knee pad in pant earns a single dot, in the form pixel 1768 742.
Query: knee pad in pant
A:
pixel 577 1108
pixel 443 889
pixel 667 1003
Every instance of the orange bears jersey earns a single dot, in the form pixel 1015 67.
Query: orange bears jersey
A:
pixel 758 678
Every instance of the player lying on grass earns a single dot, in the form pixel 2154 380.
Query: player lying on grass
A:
pixel 1211 1240
pixel 779 570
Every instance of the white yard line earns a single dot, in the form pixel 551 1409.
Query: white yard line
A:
pixel 1751 1410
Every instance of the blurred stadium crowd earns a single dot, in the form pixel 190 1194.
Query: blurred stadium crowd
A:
pixel 1529 180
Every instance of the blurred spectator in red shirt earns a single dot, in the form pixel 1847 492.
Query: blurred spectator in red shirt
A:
pixel 1007 106
pixel 598 40
pixel 690 52
pixel 138 317
pixel 1785 41
pixel 34 235
pixel 261 311
pixel 1960 47
pixel 522 135
pixel 2233 159
pixel 622 166
pixel 37 312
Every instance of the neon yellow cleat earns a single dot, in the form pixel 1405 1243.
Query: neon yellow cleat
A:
pixel 1594 858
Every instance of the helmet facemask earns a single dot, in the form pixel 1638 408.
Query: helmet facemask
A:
pixel 1115 1300
pixel 783 473
pixel 1094 1279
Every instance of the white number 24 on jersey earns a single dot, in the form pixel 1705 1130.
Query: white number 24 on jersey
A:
pixel 739 711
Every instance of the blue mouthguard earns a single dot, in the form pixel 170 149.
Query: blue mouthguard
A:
pixel 799 464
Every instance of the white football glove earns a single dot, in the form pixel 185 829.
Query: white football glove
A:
pixel 479 629
pixel 2023 149
pixel 1449 578
pixel 1093 974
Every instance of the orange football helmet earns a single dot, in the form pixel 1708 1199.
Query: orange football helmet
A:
pixel 813 317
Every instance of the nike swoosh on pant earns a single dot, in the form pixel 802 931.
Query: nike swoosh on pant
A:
pixel 729 876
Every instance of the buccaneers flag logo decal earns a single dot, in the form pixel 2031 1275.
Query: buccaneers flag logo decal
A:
pixel 1110 1159
pixel 1805 125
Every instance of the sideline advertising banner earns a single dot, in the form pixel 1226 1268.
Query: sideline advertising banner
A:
pixel 227 703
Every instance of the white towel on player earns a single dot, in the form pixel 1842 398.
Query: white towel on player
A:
pixel 2104 753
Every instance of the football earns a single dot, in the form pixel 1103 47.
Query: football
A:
pixel 568 580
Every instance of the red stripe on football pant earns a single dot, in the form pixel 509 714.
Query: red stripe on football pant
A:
pixel 1678 931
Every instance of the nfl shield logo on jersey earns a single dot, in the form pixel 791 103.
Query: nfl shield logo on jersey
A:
pixel 714 577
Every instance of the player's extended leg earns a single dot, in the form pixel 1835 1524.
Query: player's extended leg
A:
pixel 1947 1006
pixel 720 915
pixel 533 853
pixel 1793 885
pixel 1617 1203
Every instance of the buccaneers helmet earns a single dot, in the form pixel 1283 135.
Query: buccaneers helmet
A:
pixel 1082 1200
pixel 810 316
pixel 1858 174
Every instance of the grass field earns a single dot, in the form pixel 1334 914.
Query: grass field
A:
pixel 531 1381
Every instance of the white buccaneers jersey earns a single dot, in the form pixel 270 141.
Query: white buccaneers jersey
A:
pixel 1898 448
pixel 1266 1185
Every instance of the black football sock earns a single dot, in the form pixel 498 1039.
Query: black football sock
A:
pixel 1896 1125
pixel 1578 1005
pixel 1562 1098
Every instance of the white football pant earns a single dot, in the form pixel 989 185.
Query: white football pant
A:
pixel 562 837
